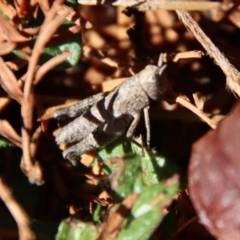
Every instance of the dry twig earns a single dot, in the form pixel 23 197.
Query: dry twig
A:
pixel 21 217
pixel 53 62
pixel 50 25
pixel 232 74
pixel 144 5
pixel 7 131
pixel 9 82
pixel 183 101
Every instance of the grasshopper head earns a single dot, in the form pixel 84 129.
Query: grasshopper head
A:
pixel 153 81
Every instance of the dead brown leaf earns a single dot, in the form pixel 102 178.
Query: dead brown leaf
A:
pixel 6 47
pixel 214 178
pixel 7 9
pixel 9 82
pixel 7 131
pixel 10 33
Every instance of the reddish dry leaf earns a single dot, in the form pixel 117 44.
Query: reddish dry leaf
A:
pixel 7 131
pixel 44 5
pixel 31 31
pixel 17 64
pixel 49 111
pixel 6 47
pixel 88 158
pixel 34 173
pixel 50 64
pixel 111 84
pixel 9 82
pixel 23 8
pixel 7 9
pixel 234 17
pixel 214 179
pixel 10 33
pixel 18 212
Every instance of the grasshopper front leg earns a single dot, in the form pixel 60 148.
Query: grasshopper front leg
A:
pixel 147 125
pixel 133 126
pixel 135 122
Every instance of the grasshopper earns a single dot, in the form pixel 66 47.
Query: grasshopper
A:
pixel 102 118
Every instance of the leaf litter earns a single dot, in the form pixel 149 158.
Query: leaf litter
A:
pixel 129 191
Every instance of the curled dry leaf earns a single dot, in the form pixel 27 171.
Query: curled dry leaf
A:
pixel 20 215
pixel 34 174
pixel 48 113
pixel 111 84
pixel 16 65
pixel 6 48
pixel 53 62
pixel 23 8
pixel 214 180
pixel 10 33
pixel 7 9
pixel 9 82
pixel 7 131
pixel 184 101
pixel 44 5
pixel 234 16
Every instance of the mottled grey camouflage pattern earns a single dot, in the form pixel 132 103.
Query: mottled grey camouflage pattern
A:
pixel 105 116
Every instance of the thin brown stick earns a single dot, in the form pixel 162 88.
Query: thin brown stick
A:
pixel 9 82
pixel 178 4
pixel 50 25
pixel 35 175
pixel 6 48
pixel 10 33
pixel 5 101
pixel 197 111
pixel 232 74
pixel 8 131
pixel 184 226
pixel 174 57
pixel 144 5
pixel 21 217
pixel 46 32
pixel 50 64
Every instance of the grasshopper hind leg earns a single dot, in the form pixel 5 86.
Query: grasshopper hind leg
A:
pixel 104 134
pixel 93 141
pixel 78 108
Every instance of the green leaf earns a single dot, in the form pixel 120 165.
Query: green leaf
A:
pixel 73 2
pixel 155 167
pixel 97 213
pixel 117 148
pixel 74 45
pixel 75 230
pixel 146 213
pixel 5 143
pixel 153 177
pixel 133 169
